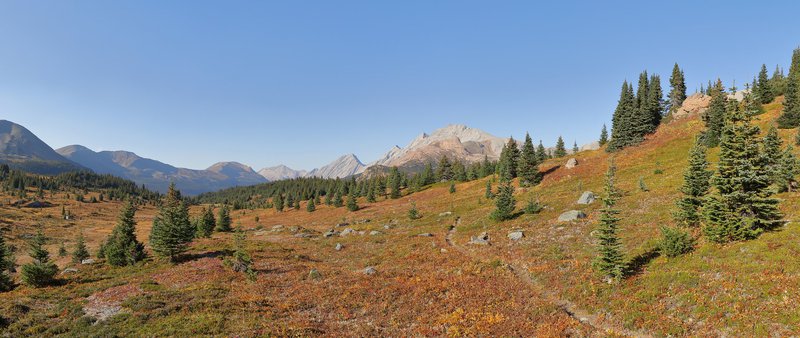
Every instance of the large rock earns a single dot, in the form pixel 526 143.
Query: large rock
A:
pixel 587 197
pixel 482 239
pixel 346 232
pixel 571 215
pixel 370 270
pixel 516 235
pixel 571 163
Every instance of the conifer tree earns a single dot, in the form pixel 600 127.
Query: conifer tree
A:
pixel 289 201
pixel 311 206
pixel 371 195
pixel 207 222
pixel 741 206
pixel 797 137
pixel 328 199
pixel 444 172
pixel 791 103
pixel 695 187
pixel 623 125
pixel 655 104
pixel 121 247
pixel 528 167
pixel 452 189
pixel 80 252
pixel 603 136
pixel 575 148
pixel 561 149
pixel 352 204
pixel 714 116
pixel 6 265
pixel 677 93
pixel 504 203
pixel 777 82
pixel 297 204
pixel 610 256
pixel 277 201
pixel 394 174
pixel 224 219
pixel 172 231
pixel 509 159
pixel 788 169
pixel 763 89
pixel 541 152
pixel 489 194
pixel 338 200
pixel 41 272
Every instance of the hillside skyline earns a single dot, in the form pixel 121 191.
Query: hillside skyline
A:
pixel 251 87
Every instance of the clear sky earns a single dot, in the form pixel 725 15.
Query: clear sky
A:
pixel 194 82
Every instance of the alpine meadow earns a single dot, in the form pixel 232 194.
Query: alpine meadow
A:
pixel 645 183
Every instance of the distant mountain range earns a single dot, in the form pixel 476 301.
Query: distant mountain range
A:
pixel 22 149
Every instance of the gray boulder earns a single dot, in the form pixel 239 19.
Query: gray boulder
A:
pixel 346 232
pixel 516 235
pixel 482 239
pixel 69 270
pixel 375 233
pixel 88 261
pixel 425 234
pixel 446 213
pixel 571 215
pixel 370 270
pixel 339 247
pixel 330 233
pixel 587 197
pixel 571 163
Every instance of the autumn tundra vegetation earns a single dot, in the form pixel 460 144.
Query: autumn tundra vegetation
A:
pixel 680 224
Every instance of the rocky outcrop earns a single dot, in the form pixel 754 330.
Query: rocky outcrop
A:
pixel 587 197
pixel 343 166
pixel 571 163
pixel 572 215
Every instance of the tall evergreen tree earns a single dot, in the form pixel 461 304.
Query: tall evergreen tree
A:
pixel 277 201
pixel 311 206
pixel 352 203
pixel 489 194
pixel 172 231
pixel 444 172
pixel 504 202
pixel 575 148
pixel 781 164
pixel 6 265
pixel 655 103
pixel 394 175
pixel 80 252
pixel 207 223
pixel 121 247
pixel 338 198
pixel 561 149
pixel 371 195
pixel 695 187
pixel 224 219
pixel 610 255
pixel 603 136
pixel 528 168
pixel 428 175
pixel 41 271
pixel 541 152
pixel 677 83
pixel 741 206
pixel 791 103
pixel 777 82
pixel 714 116
pixel 763 88
pixel 623 124
pixel 509 158
pixel 789 168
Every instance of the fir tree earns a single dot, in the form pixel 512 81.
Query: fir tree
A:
pixel 428 175
pixel 797 137
pixel 241 261
pixel 541 153
pixel 80 252
pixel 504 203
pixel 528 167
pixel 695 187
pixel 41 272
pixel 742 206
pixel 489 194
pixel 352 204
pixel 787 171
pixel 172 231
pixel 311 206
pixel 791 103
pixel 575 148
pixel 509 159
pixel 121 248
pixel 371 195
pixel 452 189
pixel 655 104
pixel 561 149
pixel 610 256
pixel 603 136
pixel 338 200
pixel 714 116
pixel 763 89
pixel 6 265
pixel 413 213
pixel 224 219
pixel 394 175
pixel 277 201
pixel 62 250
pixel 777 83
pixel 289 201
pixel 623 123
pixel 207 222
pixel 677 93
pixel 444 172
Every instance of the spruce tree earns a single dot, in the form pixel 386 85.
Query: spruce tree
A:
pixel 528 167
pixel 561 149
pixel 311 206
pixel 797 137
pixel 624 121
pixel 394 176
pixel 787 171
pixel 6 265
pixel 172 231
pixel 541 153
pixel 610 256
pixel 80 252
pixel 603 136
pixel 444 172
pixel 207 223
pixel 452 189
pixel 655 104
pixel 41 271
pixel 714 116
pixel 371 195
pixel 277 201
pixel 791 103
pixel 352 203
pixel 763 89
pixel 504 203
pixel 575 148
pixel 224 220
pixel 428 175
pixel 677 93
pixel 489 194
pixel 121 247
pixel 695 187
pixel 777 82
pixel 509 159
pixel 741 206
pixel 338 200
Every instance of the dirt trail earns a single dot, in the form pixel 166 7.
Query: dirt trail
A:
pixel 565 305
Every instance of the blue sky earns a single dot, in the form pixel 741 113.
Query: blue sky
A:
pixel 302 82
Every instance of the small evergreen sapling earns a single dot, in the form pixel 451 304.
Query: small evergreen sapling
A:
pixel 80 252
pixel 610 256
pixel 41 272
